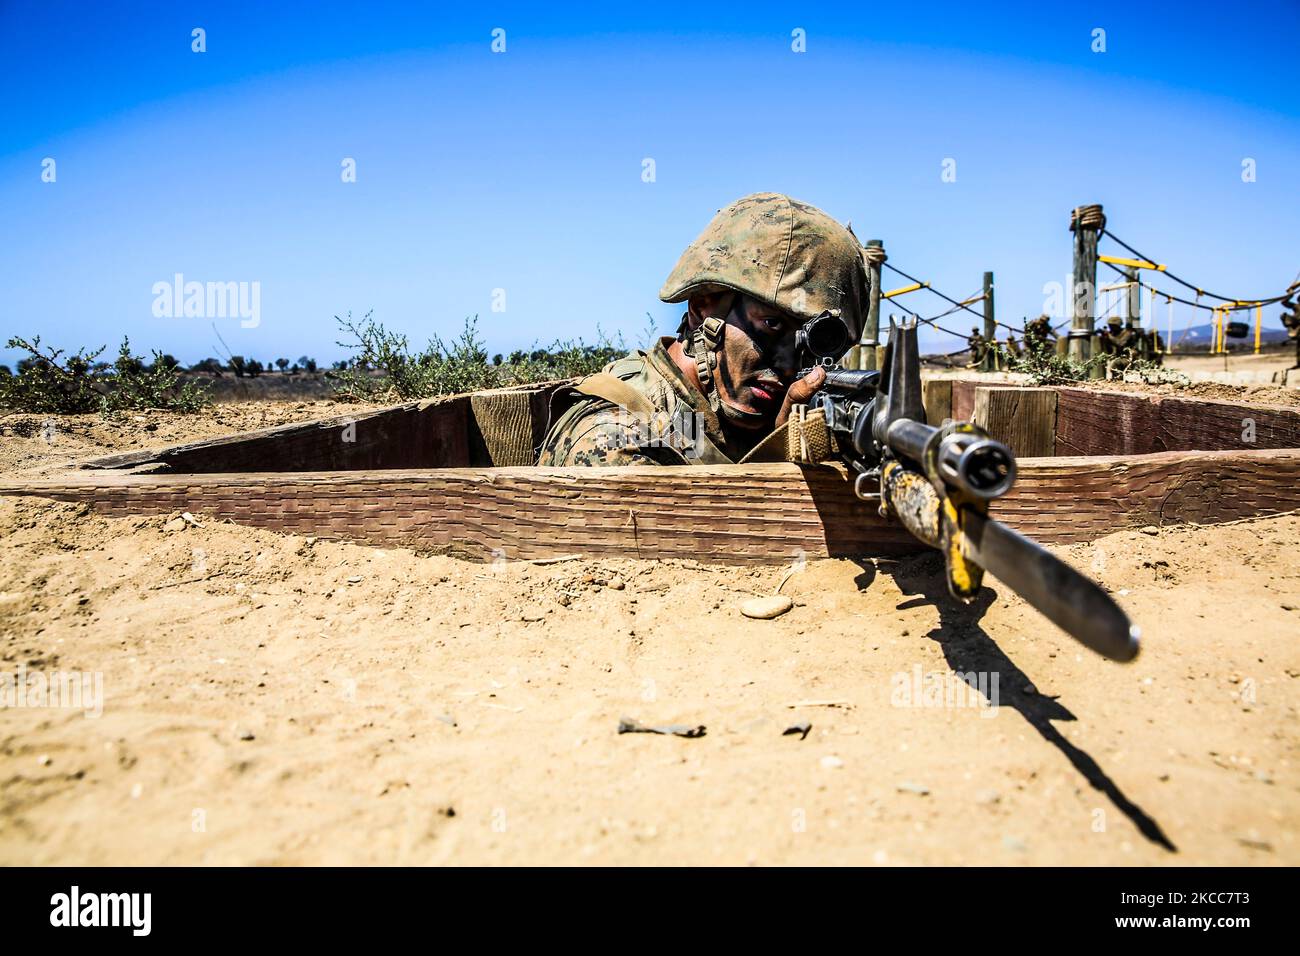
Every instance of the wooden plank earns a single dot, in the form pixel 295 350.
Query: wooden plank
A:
pixel 936 396
pixel 1090 422
pixel 730 514
pixel 435 433
pixel 963 398
pixel 1099 422
pixel 1022 418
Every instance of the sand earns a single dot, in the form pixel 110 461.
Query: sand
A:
pixel 271 699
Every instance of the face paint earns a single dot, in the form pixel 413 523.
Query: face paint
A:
pixel 756 364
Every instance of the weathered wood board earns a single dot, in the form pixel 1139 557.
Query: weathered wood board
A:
pixel 1096 422
pixel 731 514
pixel 439 433
pixel 1100 422
pixel 1022 418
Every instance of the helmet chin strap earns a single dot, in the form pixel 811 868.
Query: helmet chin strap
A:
pixel 703 345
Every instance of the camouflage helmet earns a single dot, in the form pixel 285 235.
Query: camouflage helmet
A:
pixel 780 251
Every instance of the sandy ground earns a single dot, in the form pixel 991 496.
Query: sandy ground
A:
pixel 273 699
pixel 1269 360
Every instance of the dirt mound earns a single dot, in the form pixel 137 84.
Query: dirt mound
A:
pixel 1249 394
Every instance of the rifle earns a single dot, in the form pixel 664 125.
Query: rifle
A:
pixel 938 483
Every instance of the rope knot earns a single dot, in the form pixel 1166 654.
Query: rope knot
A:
pixel 874 255
pixel 1087 217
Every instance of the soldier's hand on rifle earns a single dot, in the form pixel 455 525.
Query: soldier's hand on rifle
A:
pixel 800 392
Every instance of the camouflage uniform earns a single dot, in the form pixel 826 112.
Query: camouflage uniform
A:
pixel 775 249
pixel 593 431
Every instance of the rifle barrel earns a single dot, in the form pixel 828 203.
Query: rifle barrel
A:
pixel 1064 596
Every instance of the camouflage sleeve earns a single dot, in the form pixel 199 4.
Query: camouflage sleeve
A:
pixel 601 439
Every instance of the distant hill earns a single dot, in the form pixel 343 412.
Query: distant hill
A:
pixel 1202 335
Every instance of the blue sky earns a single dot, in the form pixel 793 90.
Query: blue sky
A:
pixel 522 170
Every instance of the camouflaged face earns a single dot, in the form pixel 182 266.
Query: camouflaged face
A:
pixel 781 251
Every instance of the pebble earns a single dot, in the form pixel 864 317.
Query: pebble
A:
pixel 916 788
pixel 1149 529
pixel 766 608
pixel 831 762
pixel 988 797
pixel 246 735
pixel 355 579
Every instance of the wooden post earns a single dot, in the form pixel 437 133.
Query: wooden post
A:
pixel 936 398
pixel 1169 346
pixel 1023 418
pixel 1085 222
pixel 1259 323
pixel 1133 308
pixel 990 327
pixel 871 331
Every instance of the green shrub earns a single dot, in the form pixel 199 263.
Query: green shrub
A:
pixel 48 382
pixel 384 368
pixel 1045 367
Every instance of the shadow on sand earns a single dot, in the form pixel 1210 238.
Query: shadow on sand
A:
pixel 968 649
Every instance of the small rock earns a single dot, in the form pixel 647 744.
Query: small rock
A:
pixel 1149 529
pixel 766 608
pixel 801 729
pixel 916 788
pixel 43 760
pixel 175 524
pixel 831 762
pixel 616 584
pixel 355 579
pixel 246 735
pixel 988 797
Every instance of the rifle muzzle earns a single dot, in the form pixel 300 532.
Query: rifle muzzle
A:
pixel 978 466
pixel 969 461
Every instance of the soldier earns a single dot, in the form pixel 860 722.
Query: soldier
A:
pixel 1039 335
pixel 977 345
pixel 762 267
pixel 1291 318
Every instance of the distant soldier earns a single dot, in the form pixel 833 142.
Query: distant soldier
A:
pixel 1039 335
pixel 1291 318
pixel 977 345
pixel 763 266
pixel 1012 348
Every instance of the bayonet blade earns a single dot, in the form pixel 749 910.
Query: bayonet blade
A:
pixel 1069 600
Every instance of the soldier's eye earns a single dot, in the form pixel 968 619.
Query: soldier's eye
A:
pixel 772 324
